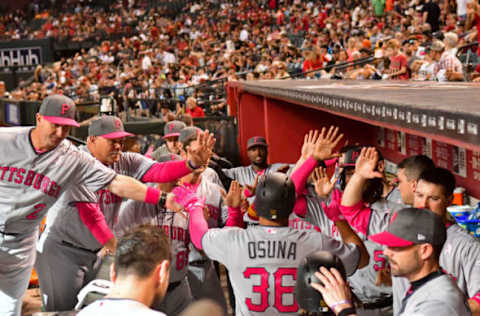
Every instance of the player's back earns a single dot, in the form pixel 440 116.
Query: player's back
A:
pixel 262 262
pixel 118 307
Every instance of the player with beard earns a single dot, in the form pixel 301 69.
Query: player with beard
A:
pixel 140 274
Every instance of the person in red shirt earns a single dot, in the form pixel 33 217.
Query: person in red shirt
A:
pixel 398 62
pixel 193 109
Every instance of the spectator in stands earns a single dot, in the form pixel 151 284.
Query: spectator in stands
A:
pixel 193 109
pixel 450 67
pixel 3 92
pixel 398 61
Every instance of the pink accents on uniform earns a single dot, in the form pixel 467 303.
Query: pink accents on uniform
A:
pixel 118 134
pixel 300 207
pixel 93 218
pixel 152 195
pixel 247 193
pixel 235 217
pixel 333 209
pixel 197 226
pixel 65 108
pixel 166 171
pixel 330 162
pixel 390 240
pixel 60 120
pixel 300 176
pixel 185 197
pixel 358 216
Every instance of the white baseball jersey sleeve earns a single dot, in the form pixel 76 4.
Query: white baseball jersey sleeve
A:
pixel 262 262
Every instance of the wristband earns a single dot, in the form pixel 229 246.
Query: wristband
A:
pixel 191 165
pixel 347 311
pixel 151 197
pixel 332 307
pixel 162 200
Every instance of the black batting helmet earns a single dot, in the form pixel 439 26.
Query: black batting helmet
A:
pixel 307 297
pixel 275 196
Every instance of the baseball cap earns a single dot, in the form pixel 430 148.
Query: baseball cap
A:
pixel 59 109
pixel 352 154
pixel 188 133
pixel 173 128
pixel 256 141
pixel 411 226
pixel 107 127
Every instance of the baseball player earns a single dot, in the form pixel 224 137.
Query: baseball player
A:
pixel 67 250
pixel 202 276
pixel 262 260
pixel 414 240
pixel 257 150
pixel 41 166
pixel 434 191
pixel 140 274
pixel 175 225
pixel 374 297
pixel 171 131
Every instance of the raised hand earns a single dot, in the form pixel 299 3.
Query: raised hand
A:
pixel 234 196
pixel 309 144
pixel 323 185
pixel 333 288
pixel 252 188
pixel 201 150
pixel 326 143
pixel 367 163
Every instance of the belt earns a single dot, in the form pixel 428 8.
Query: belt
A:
pixel 66 243
pixel 172 286
pixel 198 263
pixel 381 303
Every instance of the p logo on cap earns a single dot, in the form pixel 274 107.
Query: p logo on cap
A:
pixel 59 109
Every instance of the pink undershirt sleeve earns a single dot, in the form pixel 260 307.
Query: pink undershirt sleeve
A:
pixel 300 176
pixel 358 216
pixel 197 225
pixel 93 218
pixel 235 218
pixel 166 171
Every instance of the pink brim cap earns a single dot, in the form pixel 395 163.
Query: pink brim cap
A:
pixel 59 120
pixel 171 135
pixel 390 240
pixel 116 135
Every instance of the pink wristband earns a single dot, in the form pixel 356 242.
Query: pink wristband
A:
pixel 247 193
pixel 152 195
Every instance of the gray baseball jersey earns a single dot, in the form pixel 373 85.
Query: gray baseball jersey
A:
pixel 175 225
pixel 247 175
pixel 262 262
pixel 130 164
pixel 459 258
pixel 439 296
pixel 202 277
pixel 118 307
pixel 30 183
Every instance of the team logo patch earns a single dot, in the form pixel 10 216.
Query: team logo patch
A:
pixel 65 108
pixel 117 123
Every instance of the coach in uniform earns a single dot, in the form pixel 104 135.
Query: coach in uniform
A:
pixel 67 251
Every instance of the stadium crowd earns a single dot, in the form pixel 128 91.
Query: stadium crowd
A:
pixel 167 57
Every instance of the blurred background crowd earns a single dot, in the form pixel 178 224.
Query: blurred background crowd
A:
pixel 170 62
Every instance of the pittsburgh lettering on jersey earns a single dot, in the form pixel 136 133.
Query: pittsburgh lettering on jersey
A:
pixel 277 249
pixel 213 212
pixel 30 178
pixel 107 197
pixel 176 233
